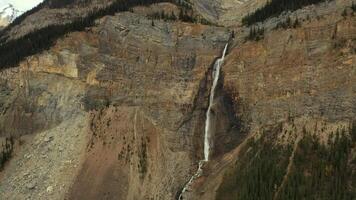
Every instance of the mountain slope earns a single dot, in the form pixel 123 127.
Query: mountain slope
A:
pixel 117 109
pixel 8 14
pixel 113 82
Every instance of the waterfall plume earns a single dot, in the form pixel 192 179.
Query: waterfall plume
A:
pixel 216 74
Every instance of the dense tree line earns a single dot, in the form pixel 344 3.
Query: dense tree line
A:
pixel 318 170
pixel 259 170
pixel 6 152
pixel 321 171
pixel 288 23
pixel 184 15
pixel 256 33
pixel 276 7
pixel 163 15
pixel 13 51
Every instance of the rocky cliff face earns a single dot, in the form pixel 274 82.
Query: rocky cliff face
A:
pixel 144 90
pixel 117 111
pixel 300 80
pixel 227 12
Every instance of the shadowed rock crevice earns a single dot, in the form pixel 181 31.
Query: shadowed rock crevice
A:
pixel 229 128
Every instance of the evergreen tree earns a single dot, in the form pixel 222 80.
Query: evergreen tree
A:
pixel 344 13
pixel 296 23
pixel 274 8
pixel 353 7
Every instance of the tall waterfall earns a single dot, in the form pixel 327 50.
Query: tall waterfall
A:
pixel 216 74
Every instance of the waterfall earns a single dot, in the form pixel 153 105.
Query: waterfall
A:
pixel 216 74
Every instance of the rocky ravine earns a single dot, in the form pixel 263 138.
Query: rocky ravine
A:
pixel 118 111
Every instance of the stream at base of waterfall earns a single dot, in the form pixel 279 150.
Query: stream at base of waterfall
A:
pixel 216 74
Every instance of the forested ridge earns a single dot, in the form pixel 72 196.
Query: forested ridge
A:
pixel 318 170
pixel 12 52
pixel 274 8
pixel 48 3
pixel 322 171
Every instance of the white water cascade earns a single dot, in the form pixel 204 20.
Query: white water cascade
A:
pixel 216 74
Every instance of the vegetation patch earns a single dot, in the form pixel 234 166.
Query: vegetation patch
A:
pixel 186 14
pixel 256 33
pixel 163 15
pixel 318 170
pixel 258 172
pixel 288 23
pixel 142 165
pixel 6 151
pixel 321 171
pixel 274 8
